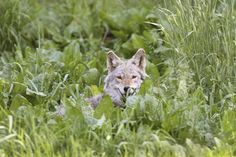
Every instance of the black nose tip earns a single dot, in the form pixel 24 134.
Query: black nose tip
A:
pixel 126 89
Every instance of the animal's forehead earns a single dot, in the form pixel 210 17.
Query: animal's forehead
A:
pixel 126 68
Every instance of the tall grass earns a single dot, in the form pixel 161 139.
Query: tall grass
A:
pixel 53 54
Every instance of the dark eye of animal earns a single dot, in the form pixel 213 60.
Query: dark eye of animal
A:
pixel 133 77
pixel 119 77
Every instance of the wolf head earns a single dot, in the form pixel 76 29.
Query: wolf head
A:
pixel 124 76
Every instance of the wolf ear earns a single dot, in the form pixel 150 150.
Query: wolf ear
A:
pixel 112 61
pixel 139 59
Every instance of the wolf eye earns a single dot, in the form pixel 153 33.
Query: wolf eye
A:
pixel 119 77
pixel 133 77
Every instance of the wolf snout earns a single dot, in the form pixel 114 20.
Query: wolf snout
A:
pixel 129 91
pixel 126 89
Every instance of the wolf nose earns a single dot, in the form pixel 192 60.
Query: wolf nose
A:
pixel 126 89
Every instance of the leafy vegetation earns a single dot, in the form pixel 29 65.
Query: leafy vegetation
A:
pixel 53 53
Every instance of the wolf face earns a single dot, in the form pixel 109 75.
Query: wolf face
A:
pixel 124 77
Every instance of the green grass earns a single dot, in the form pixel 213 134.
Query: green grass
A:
pixel 54 52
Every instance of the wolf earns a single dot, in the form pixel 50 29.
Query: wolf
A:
pixel 124 78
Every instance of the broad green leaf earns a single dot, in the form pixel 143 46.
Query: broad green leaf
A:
pixel 153 72
pixel 19 88
pixel 72 110
pixel 105 107
pixel 18 101
pixel 146 86
pixel 95 90
pixel 91 76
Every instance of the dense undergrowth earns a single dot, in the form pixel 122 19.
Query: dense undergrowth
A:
pixel 53 53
